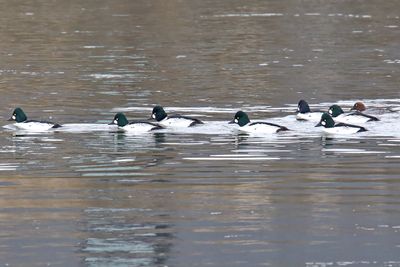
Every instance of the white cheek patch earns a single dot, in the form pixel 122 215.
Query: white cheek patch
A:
pixel 115 121
pixel 236 121
pixel 153 115
pixel 323 123
pixel 13 117
pixel 298 109
pixel 330 111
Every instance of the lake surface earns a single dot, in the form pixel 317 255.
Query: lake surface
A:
pixel 88 195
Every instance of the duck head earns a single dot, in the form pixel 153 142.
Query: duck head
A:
pixel 335 110
pixel 303 107
pixel 158 113
pixel 120 120
pixel 359 106
pixel 18 115
pixel 240 118
pixel 326 121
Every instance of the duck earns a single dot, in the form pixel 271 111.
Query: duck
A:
pixel 356 117
pixel 338 128
pixel 134 126
pixel 304 112
pixel 22 122
pixel 359 106
pixel 242 119
pixel 165 120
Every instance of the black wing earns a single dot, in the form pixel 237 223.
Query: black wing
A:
pixel 281 128
pixel 359 113
pixel 55 125
pixel 361 129
pixel 195 121
pixel 156 126
pixel 143 121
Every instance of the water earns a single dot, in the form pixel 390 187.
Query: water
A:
pixel 88 195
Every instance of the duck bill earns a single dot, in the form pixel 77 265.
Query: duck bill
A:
pixel 10 119
pixel 232 122
pixel 319 124
pixel 111 123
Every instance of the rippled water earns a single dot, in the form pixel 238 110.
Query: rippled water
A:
pixel 88 195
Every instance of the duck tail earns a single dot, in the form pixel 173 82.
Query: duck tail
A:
pixel 196 122
pixel 282 128
pixel 56 125
pixel 362 129
pixel 157 127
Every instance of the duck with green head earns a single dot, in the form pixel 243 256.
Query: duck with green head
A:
pixel 22 122
pixel 337 128
pixel 176 120
pixel 355 117
pixel 134 126
pixel 304 112
pixel 242 119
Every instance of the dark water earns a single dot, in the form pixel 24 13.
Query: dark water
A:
pixel 90 196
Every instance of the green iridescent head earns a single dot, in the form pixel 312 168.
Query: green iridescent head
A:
pixel 335 110
pixel 120 120
pixel 18 115
pixel 326 121
pixel 158 113
pixel 240 118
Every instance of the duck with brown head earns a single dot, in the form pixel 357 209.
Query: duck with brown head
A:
pixel 355 117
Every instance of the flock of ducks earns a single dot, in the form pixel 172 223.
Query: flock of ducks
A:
pixel 334 121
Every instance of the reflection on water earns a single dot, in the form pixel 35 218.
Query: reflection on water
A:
pixel 88 194
pixel 115 241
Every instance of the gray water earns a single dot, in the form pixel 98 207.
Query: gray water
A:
pixel 89 195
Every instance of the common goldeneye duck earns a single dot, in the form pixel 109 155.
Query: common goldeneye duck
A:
pixel 163 119
pixel 304 112
pixel 134 126
pixel 339 128
pixel 243 121
pixel 23 123
pixel 356 117
pixel 358 106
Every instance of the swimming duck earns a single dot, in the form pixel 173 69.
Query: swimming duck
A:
pixel 305 114
pixel 358 106
pixel 163 119
pixel 134 126
pixel 23 123
pixel 356 117
pixel 243 121
pixel 339 128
